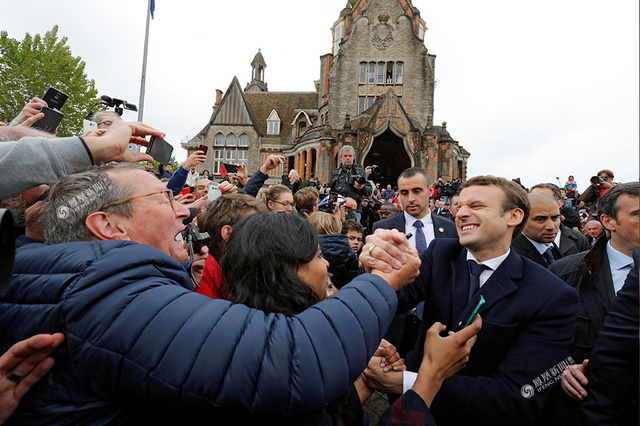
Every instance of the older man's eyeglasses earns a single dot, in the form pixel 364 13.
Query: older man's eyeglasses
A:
pixel 166 192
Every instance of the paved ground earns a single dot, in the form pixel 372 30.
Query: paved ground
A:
pixel 375 406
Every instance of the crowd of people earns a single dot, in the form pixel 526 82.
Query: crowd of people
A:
pixel 137 298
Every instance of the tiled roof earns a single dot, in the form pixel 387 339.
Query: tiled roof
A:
pixel 285 103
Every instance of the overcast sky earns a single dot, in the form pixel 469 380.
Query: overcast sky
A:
pixel 532 89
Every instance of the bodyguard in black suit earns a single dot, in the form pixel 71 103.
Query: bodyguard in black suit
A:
pixel 537 240
pixel 413 194
pixel 569 241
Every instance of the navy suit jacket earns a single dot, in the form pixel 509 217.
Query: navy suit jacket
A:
pixel 442 227
pixel 612 393
pixel 528 321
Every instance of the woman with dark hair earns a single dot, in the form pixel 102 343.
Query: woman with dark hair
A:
pixel 273 263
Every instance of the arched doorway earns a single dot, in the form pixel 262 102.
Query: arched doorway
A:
pixel 388 152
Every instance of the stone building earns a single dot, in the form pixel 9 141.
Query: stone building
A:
pixel 375 92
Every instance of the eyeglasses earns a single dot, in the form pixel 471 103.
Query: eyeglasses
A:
pixel 166 192
pixel 106 124
pixel 286 204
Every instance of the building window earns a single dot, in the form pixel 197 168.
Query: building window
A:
pixel 218 158
pixel 399 73
pixel 231 140
pixel 376 79
pixel 244 140
pixel 243 157
pixel 381 73
pixel 219 140
pixel 274 128
pixel 273 123
pixel 338 32
pixel 389 72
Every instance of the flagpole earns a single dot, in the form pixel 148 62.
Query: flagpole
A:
pixel 144 64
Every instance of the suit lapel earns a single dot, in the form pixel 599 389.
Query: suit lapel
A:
pixel 400 222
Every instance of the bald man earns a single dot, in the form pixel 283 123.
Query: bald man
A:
pixel 567 240
pixel 537 239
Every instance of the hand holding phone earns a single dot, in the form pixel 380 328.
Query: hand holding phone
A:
pixel 50 121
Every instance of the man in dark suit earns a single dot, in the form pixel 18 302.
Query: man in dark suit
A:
pixel 413 194
pixel 537 239
pixel 597 276
pixel 613 370
pixel 417 219
pixel 527 318
pixel 568 241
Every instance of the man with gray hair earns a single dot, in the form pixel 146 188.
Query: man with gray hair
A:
pixel 350 180
pixel 141 346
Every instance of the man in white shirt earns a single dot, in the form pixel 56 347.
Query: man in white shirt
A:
pixel 413 195
pixel 527 318
pixel 424 227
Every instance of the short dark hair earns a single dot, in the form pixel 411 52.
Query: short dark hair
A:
pixel 552 186
pixel 515 197
pixel 261 262
pixel 228 209
pixel 412 171
pixel 352 225
pixel 606 172
pixel 608 203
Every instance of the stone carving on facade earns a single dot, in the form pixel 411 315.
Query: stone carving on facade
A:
pixel 382 33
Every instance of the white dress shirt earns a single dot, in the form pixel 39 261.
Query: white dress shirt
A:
pixel 620 265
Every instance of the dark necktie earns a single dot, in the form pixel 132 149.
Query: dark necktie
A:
pixel 475 269
pixel 548 256
pixel 421 241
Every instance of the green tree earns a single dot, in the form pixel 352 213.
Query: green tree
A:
pixel 28 68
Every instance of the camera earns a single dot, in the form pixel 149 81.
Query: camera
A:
pixel 596 180
pixel 360 179
pixel 375 169
pixel 195 239
pixel 374 205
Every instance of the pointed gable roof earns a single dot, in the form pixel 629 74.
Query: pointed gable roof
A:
pixel 232 111
pixel 385 107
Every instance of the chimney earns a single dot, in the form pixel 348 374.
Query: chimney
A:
pixel 218 99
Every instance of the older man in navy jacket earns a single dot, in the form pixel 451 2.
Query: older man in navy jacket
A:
pixel 141 347
pixel 528 315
